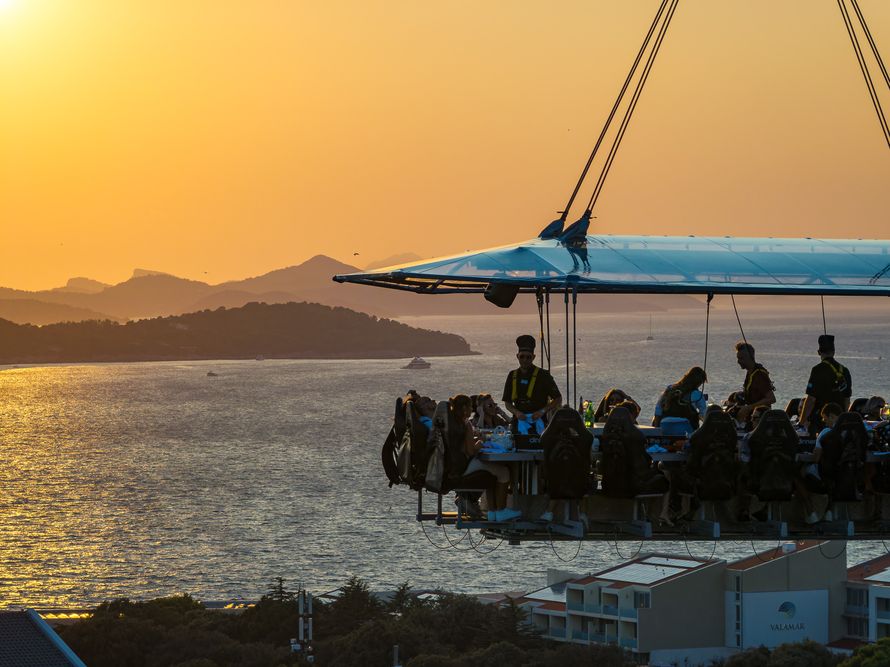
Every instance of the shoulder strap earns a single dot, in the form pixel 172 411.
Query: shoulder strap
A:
pixel 837 370
pixel 531 384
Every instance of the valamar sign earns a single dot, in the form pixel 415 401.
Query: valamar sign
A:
pixel 787 609
pixel 778 617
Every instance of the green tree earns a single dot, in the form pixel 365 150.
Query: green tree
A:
pixel 870 655
pixel 278 592
pixel 355 606
pixel 752 657
pixel 401 600
pixel 803 654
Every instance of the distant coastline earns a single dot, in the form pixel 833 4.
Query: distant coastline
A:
pixel 270 331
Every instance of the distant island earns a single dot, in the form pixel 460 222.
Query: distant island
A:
pixel 273 331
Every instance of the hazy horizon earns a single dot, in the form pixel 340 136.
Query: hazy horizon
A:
pixel 213 141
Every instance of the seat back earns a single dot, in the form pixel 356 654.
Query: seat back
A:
pixel 793 408
pixel 712 457
pixel 843 457
pixel 566 442
pixel 626 467
pixel 389 458
pixel 774 444
pixel 411 451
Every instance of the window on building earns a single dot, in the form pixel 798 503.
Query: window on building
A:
pixel 857 597
pixel 738 639
pixel 882 604
pixel 857 627
pixel 641 600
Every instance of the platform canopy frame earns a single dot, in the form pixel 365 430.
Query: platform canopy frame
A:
pixel 653 265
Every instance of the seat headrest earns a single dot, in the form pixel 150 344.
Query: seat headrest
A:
pixel 565 419
pixel 774 423
pixel 850 421
pixel 714 418
pixel 620 423
pixel 715 421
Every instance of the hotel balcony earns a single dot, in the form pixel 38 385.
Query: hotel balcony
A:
pixel 881 614
pixel 558 633
pixel 609 610
pixel 580 635
pixel 628 642
pixel 857 611
pixel 628 613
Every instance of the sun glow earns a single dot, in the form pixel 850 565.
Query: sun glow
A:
pixel 6 4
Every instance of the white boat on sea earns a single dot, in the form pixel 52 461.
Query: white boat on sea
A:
pixel 417 363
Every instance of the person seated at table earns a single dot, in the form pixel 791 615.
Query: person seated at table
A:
pixel 613 398
pixel 683 399
pixel 426 408
pixel 530 392
pixel 488 413
pixel 810 480
pixel 460 408
pixel 873 408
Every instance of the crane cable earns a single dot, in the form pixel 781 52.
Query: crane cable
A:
pixel 707 331
pixel 876 103
pixel 871 42
pixel 564 213
pixel 633 104
pixel 738 319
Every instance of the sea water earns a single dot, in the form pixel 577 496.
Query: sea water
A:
pixel 148 479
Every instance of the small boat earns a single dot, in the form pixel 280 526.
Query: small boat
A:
pixel 211 374
pixel 260 357
pixel 417 363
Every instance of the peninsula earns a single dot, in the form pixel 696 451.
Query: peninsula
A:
pixel 283 331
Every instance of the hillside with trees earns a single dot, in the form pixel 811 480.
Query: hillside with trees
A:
pixel 285 331
pixel 357 629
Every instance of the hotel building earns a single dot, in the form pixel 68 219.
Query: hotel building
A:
pixel 669 609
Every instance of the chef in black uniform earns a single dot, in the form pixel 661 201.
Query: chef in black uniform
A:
pixel 829 382
pixel 529 391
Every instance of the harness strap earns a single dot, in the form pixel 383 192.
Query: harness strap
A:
pixel 837 370
pixel 531 384
pixel 751 377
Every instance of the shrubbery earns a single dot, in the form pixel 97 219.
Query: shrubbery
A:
pixel 355 630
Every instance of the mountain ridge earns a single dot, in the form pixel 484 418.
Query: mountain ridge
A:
pixel 150 294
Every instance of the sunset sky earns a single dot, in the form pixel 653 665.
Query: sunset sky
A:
pixel 218 139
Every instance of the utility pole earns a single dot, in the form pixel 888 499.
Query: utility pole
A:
pixel 303 643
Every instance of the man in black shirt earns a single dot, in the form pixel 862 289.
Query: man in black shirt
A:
pixel 529 391
pixel 829 382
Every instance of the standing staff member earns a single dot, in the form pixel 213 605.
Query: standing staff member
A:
pixel 529 392
pixel 758 389
pixel 829 382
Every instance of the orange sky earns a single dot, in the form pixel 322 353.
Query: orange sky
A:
pixel 236 137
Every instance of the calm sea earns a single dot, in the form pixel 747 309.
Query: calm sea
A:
pixel 148 479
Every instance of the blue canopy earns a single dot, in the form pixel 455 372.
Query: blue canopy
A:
pixel 654 264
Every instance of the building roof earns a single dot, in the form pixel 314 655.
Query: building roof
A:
pixel 648 570
pixel 874 571
pixel 26 640
pixel 773 554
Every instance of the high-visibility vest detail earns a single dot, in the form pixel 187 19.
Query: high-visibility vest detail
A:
pixel 529 389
